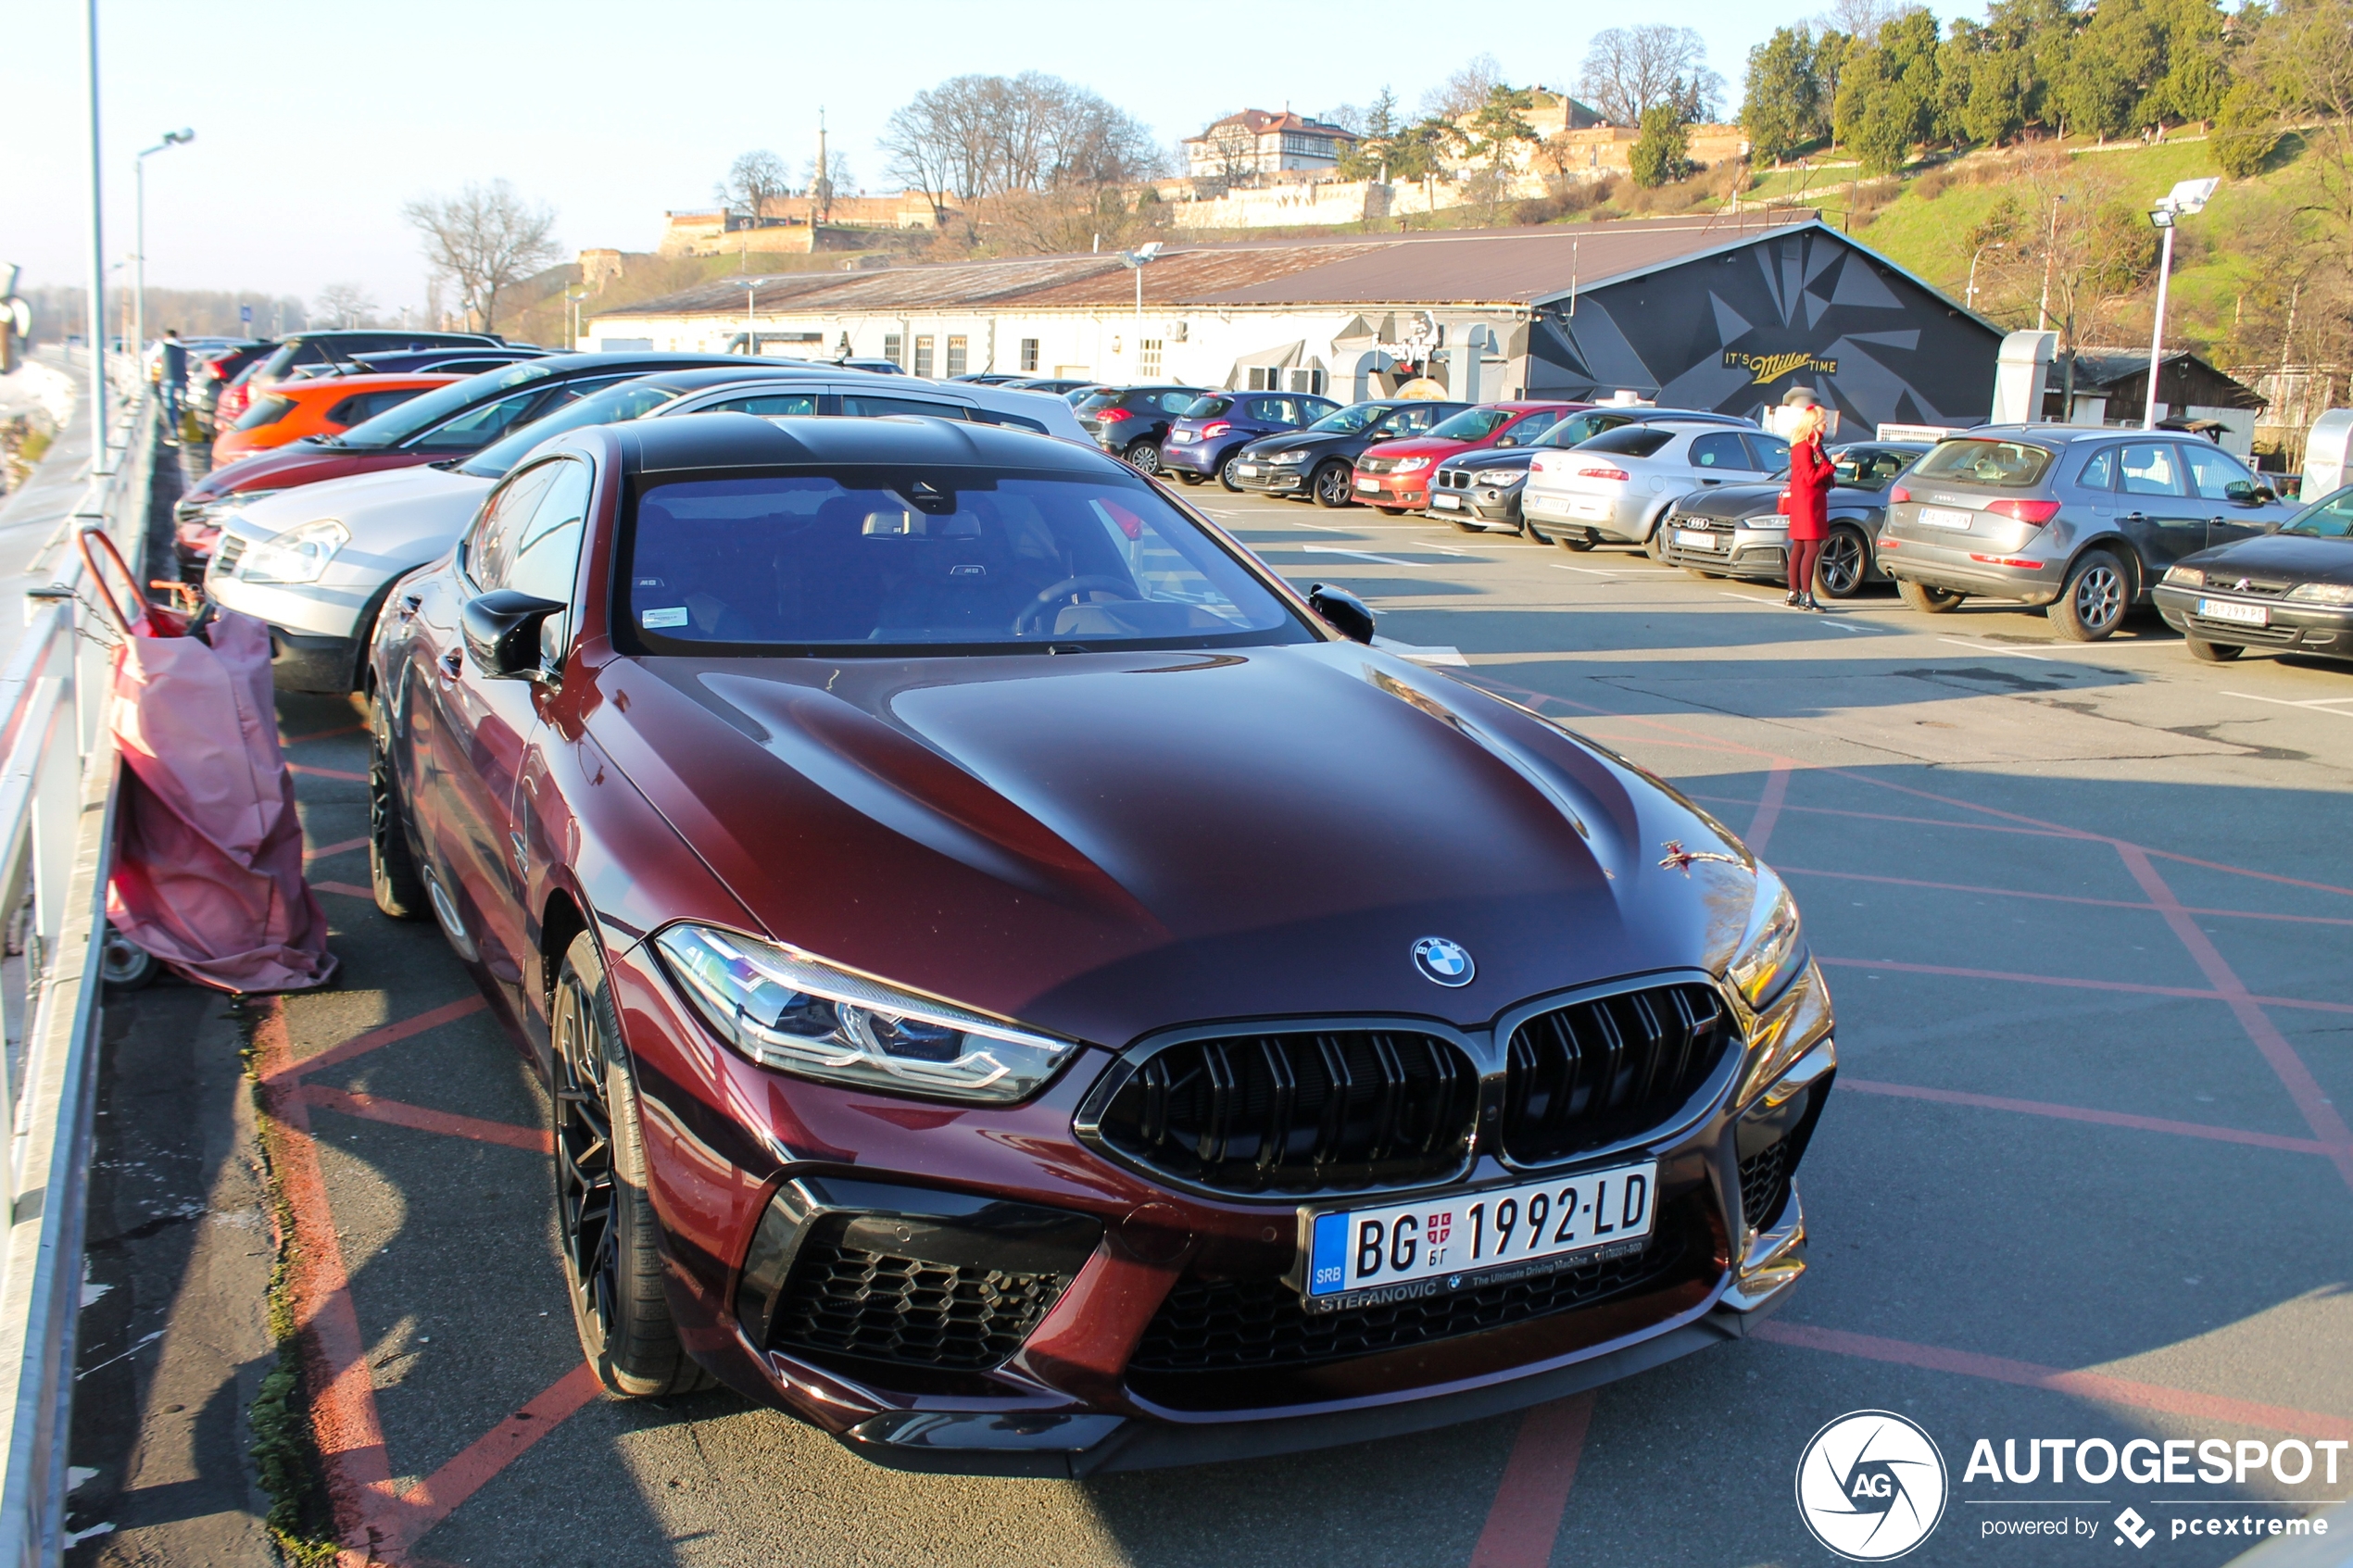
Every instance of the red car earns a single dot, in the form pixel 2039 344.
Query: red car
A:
pixel 1394 475
pixel 1008 998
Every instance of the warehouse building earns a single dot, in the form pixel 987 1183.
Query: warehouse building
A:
pixel 1689 312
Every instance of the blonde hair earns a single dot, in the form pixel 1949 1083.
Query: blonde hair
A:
pixel 1809 424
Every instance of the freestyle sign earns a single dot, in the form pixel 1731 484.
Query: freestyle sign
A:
pixel 1764 367
pixel 2177 1462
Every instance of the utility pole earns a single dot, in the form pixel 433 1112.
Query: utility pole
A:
pixel 752 339
pixel 139 279
pixel 100 461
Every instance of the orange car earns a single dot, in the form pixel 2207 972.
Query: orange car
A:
pixel 288 410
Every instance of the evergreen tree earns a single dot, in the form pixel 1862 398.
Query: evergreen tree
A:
pixel 1658 155
pixel 1781 96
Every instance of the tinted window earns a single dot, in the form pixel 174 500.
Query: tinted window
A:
pixel 2151 467
pixel 367 406
pixel 395 425
pixel 2211 469
pixel 1177 402
pixel 2013 465
pixel 1630 440
pixel 1207 408
pixel 1869 468
pixel 264 411
pixel 477 428
pixel 1580 428
pixel 1721 450
pixel 990 557
pixel 769 405
pixel 1472 424
pixel 1767 452
pixel 1098 400
pixel 1535 426
pixel 489 544
pixel 2100 472
pixel 2331 517
pixel 1275 410
pixel 1410 420
pixel 871 407
pixel 611 405
pixel 545 551
pixel 1349 420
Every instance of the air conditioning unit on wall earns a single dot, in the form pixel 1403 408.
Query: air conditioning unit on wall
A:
pixel 1180 331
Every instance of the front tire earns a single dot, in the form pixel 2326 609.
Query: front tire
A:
pixel 1846 561
pixel 2213 653
pixel 1330 485
pixel 392 868
pixel 1580 544
pixel 2092 606
pixel 1190 479
pixel 1143 456
pixel 606 1224
pixel 1927 600
pixel 1226 475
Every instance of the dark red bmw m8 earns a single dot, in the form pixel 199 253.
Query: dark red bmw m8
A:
pixel 1027 992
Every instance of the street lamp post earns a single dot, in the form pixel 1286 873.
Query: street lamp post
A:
pixel 752 339
pixel 100 461
pixel 139 275
pixel 575 297
pixel 1136 261
pixel 1971 300
pixel 2183 200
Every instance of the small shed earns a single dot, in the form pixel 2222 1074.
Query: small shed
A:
pixel 2104 384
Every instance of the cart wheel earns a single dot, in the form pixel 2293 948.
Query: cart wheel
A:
pixel 124 965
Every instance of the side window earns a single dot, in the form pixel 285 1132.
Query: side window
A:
pixel 1770 452
pixel 2211 469
pixel 767 404
pixel 547 548
pixel 1276 410
pixel 1410 421
pixel 864 404
pixel 1534 425
pixel 1719 449
pixel 1177 402
pixel 476 428
pixel 2100 472
pixel 2152 467
pixel 490 543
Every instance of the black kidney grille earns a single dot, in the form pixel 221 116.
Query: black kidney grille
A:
pixel 1595 1072
pixel 841 1301
pixel 1298 1112
pixel 1231 1325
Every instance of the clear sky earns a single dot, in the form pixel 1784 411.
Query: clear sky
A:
pixel 315 123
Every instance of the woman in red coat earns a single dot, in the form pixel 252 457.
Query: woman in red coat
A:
pixel 1810 474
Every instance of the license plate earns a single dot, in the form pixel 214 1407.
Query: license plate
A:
pixel 1450 503
pixel 1182 436
pixel 1698 539
pixel 1944 517
pixel 2225 610
pixel 1406 1250
pixel 1368 484
pixel 1248 470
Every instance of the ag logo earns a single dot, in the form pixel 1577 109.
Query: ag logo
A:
pixel 1871 1485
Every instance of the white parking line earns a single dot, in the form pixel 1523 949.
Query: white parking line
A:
pixel 1590 572
pixel 1358 555
pixel 1745 598
pixel 1998 652
pixel 2310 705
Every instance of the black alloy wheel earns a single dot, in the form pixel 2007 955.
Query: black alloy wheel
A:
pixel 1331 485
pixel 1927 600
pixel 1225 473
pixel 392 868
pixel 605 1226
pixel 1846 561
pixel 2212 653
pixel 2092 606
pixel 1143 456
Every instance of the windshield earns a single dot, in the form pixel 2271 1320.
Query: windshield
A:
pixel 2331 517
pixel 1473 424
pixel 878 559
pixel 1349 420
pixel 395 425
pixel 2012 465
pixel 628 401
pixel 1095 400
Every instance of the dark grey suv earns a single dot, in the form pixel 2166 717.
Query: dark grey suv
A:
pixel 2081 519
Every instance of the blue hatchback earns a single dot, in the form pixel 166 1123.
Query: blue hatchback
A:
pixel 1210 434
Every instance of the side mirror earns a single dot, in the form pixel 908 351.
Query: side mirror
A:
pixel 1343 611
pixel 2239 490
pixel 503 631
pixel 1508 441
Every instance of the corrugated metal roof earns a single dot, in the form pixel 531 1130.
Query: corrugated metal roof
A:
pixel 1460 268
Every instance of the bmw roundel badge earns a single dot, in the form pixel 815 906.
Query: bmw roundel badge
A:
pixel 1446 962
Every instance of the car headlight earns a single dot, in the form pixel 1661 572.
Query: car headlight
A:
pixel 2185 577
pixel 1411 465
pixel 1288 458
pixel 786 1009
pixel 299 555
pixel 2322 593
pixel 1772 948
pixel 217 509
pixel 1500 476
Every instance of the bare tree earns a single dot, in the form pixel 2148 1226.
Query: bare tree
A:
pixel 483 240
pixel 836 178
pixel 1467 91
pixel 344 305
pixel 753 181
pixel 977 137
pixel 1628 69
pixel 1863 18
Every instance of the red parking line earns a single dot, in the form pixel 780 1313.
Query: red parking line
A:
pixel 2191 992
pixel 423 1119
pixel 2097 1385
pixel 1769 808
pixel 1526 1518
pixel 340 847
pixel 359 1044
pixel 325 772
pixel 347 889
pixel 2056 898
pixel 433 1499
pixel 2082 1113
pixel 320 734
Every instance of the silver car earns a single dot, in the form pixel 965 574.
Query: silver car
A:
pixel 2082 518
pixel 1621 483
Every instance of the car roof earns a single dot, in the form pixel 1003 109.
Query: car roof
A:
pixel 730 440
pixel 2061 435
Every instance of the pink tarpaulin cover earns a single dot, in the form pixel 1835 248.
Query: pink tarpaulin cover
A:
pixel 207 868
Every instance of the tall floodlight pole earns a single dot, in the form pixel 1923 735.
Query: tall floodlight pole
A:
pixel 100 461
pixel 2185 199
pixel 751 338
pixel 1136 261
pixel 139 274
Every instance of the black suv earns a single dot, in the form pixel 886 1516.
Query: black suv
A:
pixel 1131 421
pixel 1320 460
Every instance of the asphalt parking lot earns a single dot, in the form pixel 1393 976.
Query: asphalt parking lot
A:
pixel 2085 914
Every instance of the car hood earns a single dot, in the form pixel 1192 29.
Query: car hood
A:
pixel 386 510
pixel 2297 556
pixel 299 462
pixel 1418 447
pixel 1108 843
pixel 1491 457
pixel 1298 441
pixel 1751 500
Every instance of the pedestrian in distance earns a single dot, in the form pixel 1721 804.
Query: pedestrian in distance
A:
pixel 173 377
pixel 1810 474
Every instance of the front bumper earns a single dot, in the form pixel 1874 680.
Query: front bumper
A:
pixel 1274 479
pixel 316 629
pixel 1398 491
pixel 2289 625
pixel 1497 504
pixel 1094 1275
pixel 1730 548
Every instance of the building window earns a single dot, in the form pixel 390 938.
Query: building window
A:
pixel 1307 381
pixel 1030 354
pixel 922 355
pixel 894 348
pixel 956 355
pixel 1148 359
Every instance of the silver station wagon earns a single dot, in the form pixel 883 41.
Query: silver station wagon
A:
pixel 2081 519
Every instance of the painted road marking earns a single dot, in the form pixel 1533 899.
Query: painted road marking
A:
pixel 1995 650
pixel 1407 650
pixel 2310 705
pixel 1590 572
pixel 1355 554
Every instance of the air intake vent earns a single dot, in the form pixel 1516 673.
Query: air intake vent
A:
pixel 1296 1114
pixel 1596 1072
pixel 842 1302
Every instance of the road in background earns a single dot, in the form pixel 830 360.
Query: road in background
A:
pixel 2085 1175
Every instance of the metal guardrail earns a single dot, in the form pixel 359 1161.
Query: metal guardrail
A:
pixel 59 786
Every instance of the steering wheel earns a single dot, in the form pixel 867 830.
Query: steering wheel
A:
pixel 1037 606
